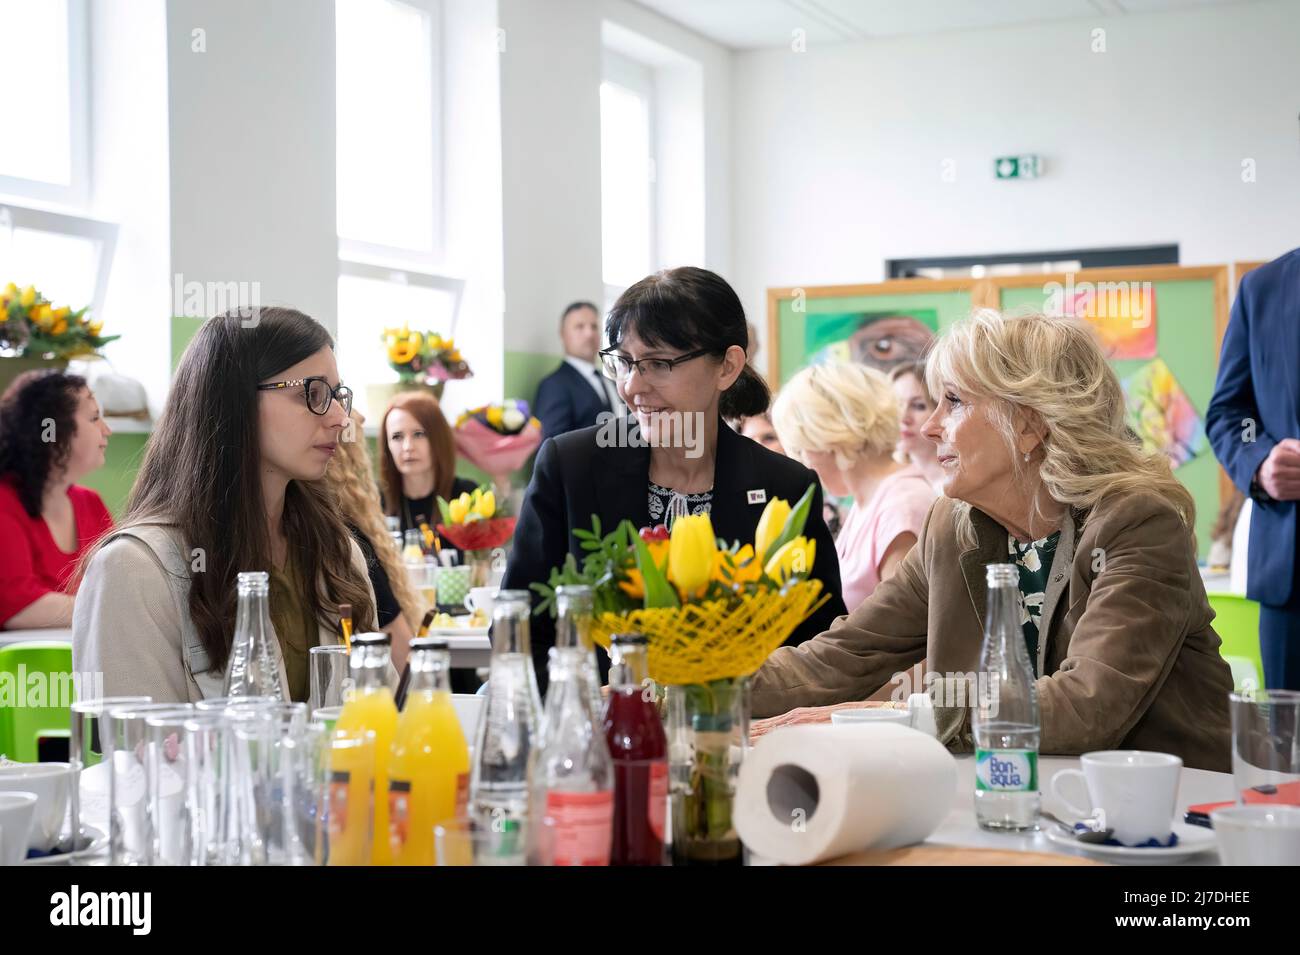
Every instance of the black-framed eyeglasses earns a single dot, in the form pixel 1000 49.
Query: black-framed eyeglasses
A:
pixel 618 366
pixel 317 391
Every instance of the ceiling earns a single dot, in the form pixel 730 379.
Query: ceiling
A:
pixel 752 24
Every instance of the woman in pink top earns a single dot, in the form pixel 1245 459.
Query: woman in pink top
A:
pixel 841 420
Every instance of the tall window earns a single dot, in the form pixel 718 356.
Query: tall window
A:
pixel 389 181
pixel 43 68
pixel 627 173
pixel 44 158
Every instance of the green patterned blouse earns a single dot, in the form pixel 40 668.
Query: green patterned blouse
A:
pixel 1035 562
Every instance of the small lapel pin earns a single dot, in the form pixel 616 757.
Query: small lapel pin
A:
pixel 758 496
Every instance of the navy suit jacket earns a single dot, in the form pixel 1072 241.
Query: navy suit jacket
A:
pixel 1259 383
pixel 566 402
pixel 575 477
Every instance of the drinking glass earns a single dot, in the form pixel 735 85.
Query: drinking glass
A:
pixel 267 783
pixel 165 758
pixel 130 828
pixel 329 676
pixel 1266 746
pixel 86 755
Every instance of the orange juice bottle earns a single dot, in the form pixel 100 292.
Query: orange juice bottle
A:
pixel 351 799
pixel 370 709
pixel 428 771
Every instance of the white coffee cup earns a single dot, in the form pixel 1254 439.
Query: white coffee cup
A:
pixel 17 811
pixel 481 598
pixel 50 782
pixel 1258 834
pixel 1130 791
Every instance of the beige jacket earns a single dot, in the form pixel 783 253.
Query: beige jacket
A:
pixel 131 620
pixel 1129 656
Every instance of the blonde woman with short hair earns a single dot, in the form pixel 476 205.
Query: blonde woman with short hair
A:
pixel 1040 470
pixel 841 420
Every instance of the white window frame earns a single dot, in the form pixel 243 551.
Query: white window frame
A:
pixel 58 223
pixel 77 193
pixel 431 280
pixel 621 70
pixel 358 252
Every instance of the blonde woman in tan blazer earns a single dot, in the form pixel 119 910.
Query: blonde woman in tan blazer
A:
pixel 1039 469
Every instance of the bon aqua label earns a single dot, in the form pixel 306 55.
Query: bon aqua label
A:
pixel 1006 770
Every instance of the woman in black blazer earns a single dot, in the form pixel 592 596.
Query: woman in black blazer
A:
pixel 677 353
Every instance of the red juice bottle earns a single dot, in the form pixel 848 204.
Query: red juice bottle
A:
pixel 638 748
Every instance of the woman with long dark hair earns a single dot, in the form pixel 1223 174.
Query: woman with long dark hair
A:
pixel 51 436
pixel 677 352
pixel 230 483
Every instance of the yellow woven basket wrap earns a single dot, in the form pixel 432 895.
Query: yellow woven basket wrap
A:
pixel 696 643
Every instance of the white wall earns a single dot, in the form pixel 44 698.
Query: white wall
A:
pixel 715 71
pixel 252 149
pixel 550 143
pixel 129 163
pixel 471 137
pixel 550 120
pixel 839 150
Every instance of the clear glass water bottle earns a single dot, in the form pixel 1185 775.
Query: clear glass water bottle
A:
pixel 509 732
pixel 1005 713
pixel 572 810
pixel 574 603
pixel 254 665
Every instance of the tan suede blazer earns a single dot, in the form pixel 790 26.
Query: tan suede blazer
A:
pixel 1129 658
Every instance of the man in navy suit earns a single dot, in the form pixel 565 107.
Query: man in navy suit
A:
pixel 1254 424
pixel 575 394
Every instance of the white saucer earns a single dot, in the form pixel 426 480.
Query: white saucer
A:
pixel 458 631
pixel 1192 840
pixel 98 843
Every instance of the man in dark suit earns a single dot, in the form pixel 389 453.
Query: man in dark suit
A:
pixel 575 394
pixel 1254 424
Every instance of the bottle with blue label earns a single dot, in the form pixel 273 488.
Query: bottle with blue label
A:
pixel 1005 713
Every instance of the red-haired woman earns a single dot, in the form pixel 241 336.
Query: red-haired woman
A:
pixel 417 461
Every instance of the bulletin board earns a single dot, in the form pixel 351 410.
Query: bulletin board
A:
pixel 890 321
pixel 1162 325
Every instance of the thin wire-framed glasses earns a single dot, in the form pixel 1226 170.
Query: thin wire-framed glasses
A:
pixel 619 367
pixel 317 392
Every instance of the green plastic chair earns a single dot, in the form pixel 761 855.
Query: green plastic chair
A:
pixel 1236 621
pixel 23 727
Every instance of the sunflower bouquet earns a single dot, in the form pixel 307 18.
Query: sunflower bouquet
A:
pixel 31 325
pixel 424 358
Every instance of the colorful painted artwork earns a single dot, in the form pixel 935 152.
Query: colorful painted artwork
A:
pixel 1161 414
pixel 1123 314
pixel 879 339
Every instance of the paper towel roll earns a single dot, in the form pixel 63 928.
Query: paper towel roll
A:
pixel 809 793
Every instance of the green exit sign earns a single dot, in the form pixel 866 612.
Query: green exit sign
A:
pixel 1018 167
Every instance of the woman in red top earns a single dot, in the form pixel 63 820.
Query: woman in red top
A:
pixel 51 435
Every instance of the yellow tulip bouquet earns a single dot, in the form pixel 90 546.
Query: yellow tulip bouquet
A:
pixel 474 523
pixel 712 612
pixel 424 357
pixel 31 325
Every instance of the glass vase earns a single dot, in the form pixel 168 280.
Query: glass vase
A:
pixel 708 733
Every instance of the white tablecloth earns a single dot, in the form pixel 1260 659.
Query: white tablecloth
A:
pixel 960 829
pixel 8 637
